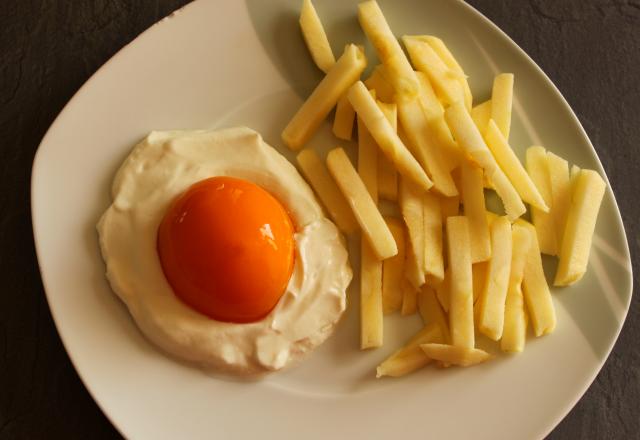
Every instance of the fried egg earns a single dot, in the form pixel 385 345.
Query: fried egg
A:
pixel 221 252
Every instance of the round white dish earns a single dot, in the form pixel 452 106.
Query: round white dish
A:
pixel 217 64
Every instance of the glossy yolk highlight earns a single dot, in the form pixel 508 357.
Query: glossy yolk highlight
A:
pixel 227 249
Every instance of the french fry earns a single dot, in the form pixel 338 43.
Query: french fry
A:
pixel 479 274
pixel 455 355
pixel 445 55
pixel 461 287
pixel 410 357
pixel 385 136
pixel 535 288
pixel 470 140
pixel 443 291
pixel 491 302
pixel 369 218
pixel 325 187
pixel 368 161
pixel 411 207
pixel 536 163
pixel 387 174
pixel 425 59
pixel 371 315
pixel 502 101
pixel 481 114
pixel 431 105
pixel 416 128
pixel 393 270
pixel 475 211
pixel 510 164
pixel 432 221
pixel 315 37
pixel 409 299
pixel 315 109
pixel 514 332
pixel 431 311
pixel 449 206
pixel 377 30
pixel 343 119
pixel 378 81
pixel 560 192
pixel 586 198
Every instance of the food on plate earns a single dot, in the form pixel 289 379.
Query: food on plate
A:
pixel 455 355
pixel 343 119
pixel 536 164
pixel 393 270
pixel 385 135
pixel 378 81
pixel 250 291
pixel 316 173
pixel 481 114
pixel 586 197
pixel 376 28
pixel 432 230
pixel 460 282
pixel 412 210
pixel 315 37
pixel 492 298
pixel 470 140
pixel 325 96
pixel 475 211
pixel 514 332
pixel 387 174
pixel 366 212
pixel 432 312
pixel 512 167
pixel 409 299
pixel 502 102
pixel 410 357
pixel 560 183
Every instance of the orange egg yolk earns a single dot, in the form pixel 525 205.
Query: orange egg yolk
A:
pixel 227 249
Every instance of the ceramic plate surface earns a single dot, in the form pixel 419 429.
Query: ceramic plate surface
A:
pixel 218 64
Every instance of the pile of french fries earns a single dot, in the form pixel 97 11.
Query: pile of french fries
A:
pixel 423 145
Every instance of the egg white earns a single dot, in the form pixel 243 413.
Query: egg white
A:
pixel 163 166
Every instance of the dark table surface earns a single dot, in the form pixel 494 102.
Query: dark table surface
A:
pixel 49 48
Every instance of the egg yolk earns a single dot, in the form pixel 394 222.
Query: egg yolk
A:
pixel 227 249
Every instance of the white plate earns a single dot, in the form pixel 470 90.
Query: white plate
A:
pixel 225 63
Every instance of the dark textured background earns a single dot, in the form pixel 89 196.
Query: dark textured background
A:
pixel 48 48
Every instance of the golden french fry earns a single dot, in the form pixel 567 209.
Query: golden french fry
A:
pixel 502 101
pixel 481 114
pixel 387 174
pixel 449 206
pixel 410 357
pixel 432 221
pixel 461 282
pixel 315 37
pixel 535 288
pixel 475 211
pixel 428 99
pixel 491 302
pixel 455 355
pixel 445 55
pixel 385 136
pixel 393 270
pixel 538 170
pixel 409 299
pixel 378 81
pixel 416 128
pixel 479 274
pixel 343 119
pixel 560 192
pixel 510 164
pixel 325 187
pixel 368 160
pixel 514 332
pixel 315 109
pixel 431 310
pixel 377 30
pixel 471 141
pixel 412 210
pixel 371 315
pixel 586 198
pixel 445 81
pixel 369 218
pixel 443 290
